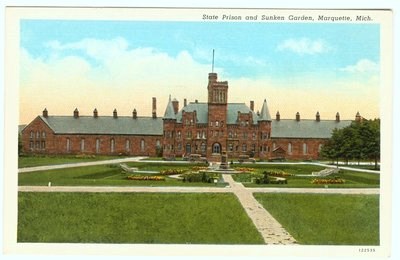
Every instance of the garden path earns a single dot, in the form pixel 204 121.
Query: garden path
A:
pixel 270 229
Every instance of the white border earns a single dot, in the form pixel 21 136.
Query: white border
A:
pixel 305 4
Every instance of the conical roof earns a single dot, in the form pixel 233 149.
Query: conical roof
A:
pixel 264 113
pixel 169 111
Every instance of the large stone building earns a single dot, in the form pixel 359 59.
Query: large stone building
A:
pixel 204 128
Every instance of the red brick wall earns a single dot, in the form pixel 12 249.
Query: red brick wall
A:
pixel 297 147
pixel 57 143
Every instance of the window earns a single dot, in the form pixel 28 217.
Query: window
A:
pixel 216 148
pixel 188 148
pixel 198 134
pixel 203 147
pixel 31 135
pixel 320 147
pixel 244 148
pixel 179 134
pixel 254 136
pixel 230 147
pixel 142 145
pixel 37 134
pixel 43 146
pixel 179 147
pixel 112 145
pixel 204 135
pixel 82 145
pixel 245 135
pixel 211 124
pixel 37 145
pixel 158 144
pixel 253 147
pixel 97 145
pixel 273 146
pixel 31 145
pixel 128 145
pixel 216 123
pixel 305 148
pixel 43 134
pixel 230 134
pixel 289 148
pixel 68 145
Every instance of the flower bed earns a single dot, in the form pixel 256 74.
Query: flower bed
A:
pixel 244 169
pixel 328 181
pixel 199 168
pixel 277 173
pixel 171 172
pixel 145 178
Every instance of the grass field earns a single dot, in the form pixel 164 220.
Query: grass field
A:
pixel 352 179
pixel 102 175
pixel 134 218
pixel 39 160
pixel 316 219
pixel 112 175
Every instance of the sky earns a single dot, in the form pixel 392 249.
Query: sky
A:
pixel 296 67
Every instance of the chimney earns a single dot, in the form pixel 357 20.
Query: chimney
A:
pixel 317 117
pixel 358 117
pixel 175 105
pixel 76 113
pixel 278 116
pixel 115 115
pixel 297 116
pixel 45 113
pixel 134 113
pixel 337 117
pixel 184 102
pixel 154 108
pixel 95 114
pixel 252 105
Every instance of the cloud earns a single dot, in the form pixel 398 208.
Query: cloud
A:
pixel 362 66
pixel 304 46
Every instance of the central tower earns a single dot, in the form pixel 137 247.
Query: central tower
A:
pixel 217 116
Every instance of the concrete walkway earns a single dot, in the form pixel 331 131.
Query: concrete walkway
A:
pixel 269 228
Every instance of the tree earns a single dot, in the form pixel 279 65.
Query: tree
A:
pixel 360 140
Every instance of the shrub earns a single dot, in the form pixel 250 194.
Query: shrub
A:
pixel 199 177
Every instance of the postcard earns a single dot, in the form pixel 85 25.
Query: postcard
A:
pixel 198 131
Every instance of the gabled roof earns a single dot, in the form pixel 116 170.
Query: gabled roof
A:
pixel 202 112
pixel 306 128
pixel 104 125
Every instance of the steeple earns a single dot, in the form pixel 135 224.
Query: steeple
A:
pixel 264 114
pixel 169 111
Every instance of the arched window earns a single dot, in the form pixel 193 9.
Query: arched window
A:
pixel 97 145
pixel 82 145
pixel 305 148
pixel 273 146
pixel 216 123
pixel 320 147
pixel 37 134
pixel 43 134
pixel 31 135
pixel 289 148
pixel 142 145
pixel 216 148
pixel 128 145
pixel 112 145
pixel 68 145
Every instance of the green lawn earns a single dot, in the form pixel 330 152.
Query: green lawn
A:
pixel 352 179
pixel 40 160
pixel 134 218
pixel 102 175
pixel 316 219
